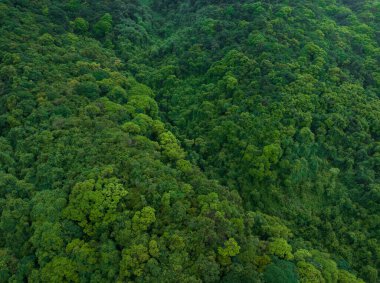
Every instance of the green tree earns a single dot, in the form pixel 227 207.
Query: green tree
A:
pixel 279 247
pixel 79 25
pixel 103 26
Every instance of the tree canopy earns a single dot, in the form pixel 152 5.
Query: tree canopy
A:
pixel 190 141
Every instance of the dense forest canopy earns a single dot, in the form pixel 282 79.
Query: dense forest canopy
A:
pixel 190 141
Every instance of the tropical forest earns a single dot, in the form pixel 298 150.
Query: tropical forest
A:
pixel 190 141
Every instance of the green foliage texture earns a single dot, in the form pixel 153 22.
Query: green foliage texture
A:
pixel 190 141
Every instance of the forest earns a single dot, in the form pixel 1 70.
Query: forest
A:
pixel 190 141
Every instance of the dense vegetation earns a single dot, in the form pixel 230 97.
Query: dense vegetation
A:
pixel 190 141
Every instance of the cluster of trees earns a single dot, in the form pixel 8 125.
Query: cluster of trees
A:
pixel 281 101
pixel 189 141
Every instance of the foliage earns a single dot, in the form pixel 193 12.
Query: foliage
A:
pixel 189 141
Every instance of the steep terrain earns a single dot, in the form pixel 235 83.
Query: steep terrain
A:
pixel 189 141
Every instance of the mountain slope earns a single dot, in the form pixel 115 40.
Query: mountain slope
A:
pixel 173 142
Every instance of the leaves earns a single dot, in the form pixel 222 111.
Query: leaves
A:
pixel 189 141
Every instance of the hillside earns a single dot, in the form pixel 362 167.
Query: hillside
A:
pixel 190 141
